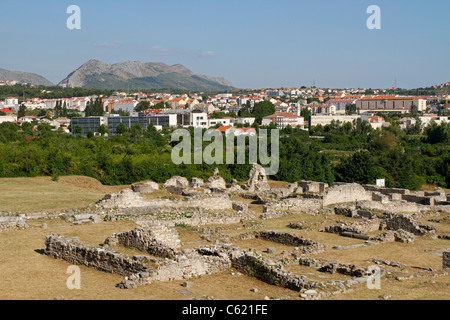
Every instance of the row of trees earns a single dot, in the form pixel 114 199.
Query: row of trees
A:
pixel 348 152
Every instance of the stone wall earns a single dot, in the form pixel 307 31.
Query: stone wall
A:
pixel 345 193
pixel 446 260
pixel 155 239
pixel 312 186
pixel 406 223
pixel 293 204
pixel 145 187
pixel 303 245
pixel 73 251
pixel 359 227
pixel 13 223
pixel 191 263
pixel 398 235
pixel 333 267
pixel 268 271
pixel 129 199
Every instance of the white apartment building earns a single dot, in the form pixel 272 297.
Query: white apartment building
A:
pixel 249 121
pixel 427 119
pixel 284 119
pixel 199 119
pixel 325 120
pixel 8 119
pixel 125 105
pixel 11 101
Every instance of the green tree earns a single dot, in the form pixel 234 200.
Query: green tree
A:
pixel 154 136
pixel 103 130
pixel 22 111
pixel 136 130
pixel 142 106
pixel 437 133
pixel 263 109
pixel 351 109
pixel 414 110
pixel 360 168
pixel 64 112
pixel 305 113
pixel 121 128
pixel 161 105
pixel 78 129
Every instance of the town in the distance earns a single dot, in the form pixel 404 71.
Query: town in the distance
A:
pixel 230 112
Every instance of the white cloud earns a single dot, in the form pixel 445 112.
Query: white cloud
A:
pixel 207 54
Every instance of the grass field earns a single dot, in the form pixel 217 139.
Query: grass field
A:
pixel 43 194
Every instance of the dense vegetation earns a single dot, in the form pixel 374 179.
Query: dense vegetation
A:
pixel 349 153
pixel 44 92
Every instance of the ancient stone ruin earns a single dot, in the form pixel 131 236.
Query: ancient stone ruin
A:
pixel 155 239
pixel 373 215
pixel 257 180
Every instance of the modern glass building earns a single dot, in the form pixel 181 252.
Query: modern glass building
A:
pixel 88 124
pixel 112 122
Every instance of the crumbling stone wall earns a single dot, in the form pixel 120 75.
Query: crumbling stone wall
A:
pixel 176 182
pixel 191 263
pixel 359 227
pixel 333 267
pixel 266 270
pixel 406 223
pixel 312 186
pixel 13 223
pixel 293 204
pixel 216 181
pixel 73 251
pixel 398 235
pixel 145 187
pixel 446 260
pixel 129 199
pixel 344 193
pixel 303 245
pixel 155 239
pixel 257 180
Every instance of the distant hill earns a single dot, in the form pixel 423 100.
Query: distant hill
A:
pixel 136 75
pixel 24 77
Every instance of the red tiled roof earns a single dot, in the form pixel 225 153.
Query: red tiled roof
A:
pixel 223 128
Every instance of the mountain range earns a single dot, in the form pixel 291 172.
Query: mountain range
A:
pixel 24 77
pixel 128 75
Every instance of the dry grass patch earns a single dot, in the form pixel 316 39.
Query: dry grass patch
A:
pixel 43 194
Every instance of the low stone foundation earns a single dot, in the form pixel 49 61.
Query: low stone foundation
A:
pixel 155 239
pixel 266 270
pixel 189 264
pixel 333 267
pixel 303 245
pixel 73 251
pixel 446 260
pixel 359 227
pixel 406 223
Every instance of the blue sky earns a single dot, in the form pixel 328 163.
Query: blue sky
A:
pixel 252 43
